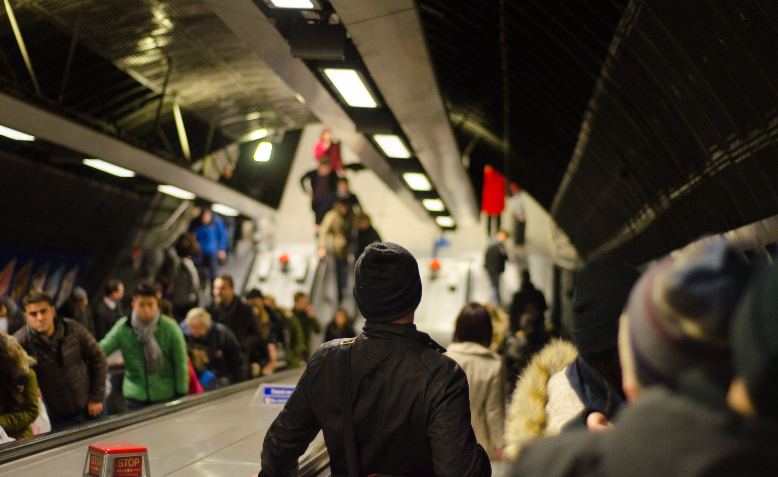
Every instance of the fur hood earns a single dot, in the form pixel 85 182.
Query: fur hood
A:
pixel 528 417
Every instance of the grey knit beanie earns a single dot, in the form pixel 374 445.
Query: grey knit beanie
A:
pixel 387 285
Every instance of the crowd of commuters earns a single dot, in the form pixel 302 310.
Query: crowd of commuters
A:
pixel 55 368
pixel 671 372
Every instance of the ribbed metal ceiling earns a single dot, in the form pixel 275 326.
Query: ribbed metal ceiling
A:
pixel 640 126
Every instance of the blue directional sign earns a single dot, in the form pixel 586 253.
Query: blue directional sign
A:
pixel 276 393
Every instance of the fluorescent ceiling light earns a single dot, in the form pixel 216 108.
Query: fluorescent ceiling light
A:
pixel 433 205
pixel 253 116
pixel 299 98
pixel 222 209
pixel 351 87
pixel 175 192
pixel 445 221
pixel 392 146
pixel 264 149
pixel 417 181
pixel 112 169
pixel 298 4
pixel 255 135
pixel 14 134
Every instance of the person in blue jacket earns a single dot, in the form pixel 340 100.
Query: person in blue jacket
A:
pixel 212 236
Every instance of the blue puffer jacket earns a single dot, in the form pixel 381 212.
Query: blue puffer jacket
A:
pixel 212 237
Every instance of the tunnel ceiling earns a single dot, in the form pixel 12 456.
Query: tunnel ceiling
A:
pixel 640 126
pixel 123 52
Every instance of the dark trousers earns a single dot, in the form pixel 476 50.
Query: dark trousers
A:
pixel 494 279
pixel 211 263
pixel 341 267
pixel 493 219
pixel 59 423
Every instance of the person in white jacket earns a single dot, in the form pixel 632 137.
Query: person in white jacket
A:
pixel 485 376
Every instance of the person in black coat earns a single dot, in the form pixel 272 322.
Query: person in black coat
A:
pixel 225 355
pixel 321 185
pixel 411 411
pixel 229 309
pixel 526 294
pixel 107 311
pixel 494 263
pixel 366 234
pixel 339 327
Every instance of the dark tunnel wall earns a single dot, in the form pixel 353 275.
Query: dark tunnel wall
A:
pixel 683 136
pixel 51 210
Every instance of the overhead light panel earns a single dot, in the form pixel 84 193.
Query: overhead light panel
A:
pixel 176 192
pixel 351 87
pixel 104 166
pixel 392 146
pixel 253 116
pixel 225 210
pixel 299 98
pixel 296 4
pixel 417 181
pixel 264 149
pixel 433 205
pixel 445 221
pixel 255 135
pixel 15 135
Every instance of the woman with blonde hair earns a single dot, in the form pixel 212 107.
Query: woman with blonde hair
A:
pixel 18 389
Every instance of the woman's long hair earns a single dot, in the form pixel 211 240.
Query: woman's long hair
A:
pixel 14 367
pixel 474 324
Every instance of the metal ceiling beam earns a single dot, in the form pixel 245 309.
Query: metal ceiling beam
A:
pixel 68 133
pixel 388 35
pixel 250 24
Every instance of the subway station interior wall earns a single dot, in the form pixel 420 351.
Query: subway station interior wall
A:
pixel 55 211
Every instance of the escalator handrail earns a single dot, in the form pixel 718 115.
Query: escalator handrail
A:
pixel 26 448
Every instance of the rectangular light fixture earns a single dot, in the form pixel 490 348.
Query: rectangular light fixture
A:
pixel 182 137
pixel 175 192
pixel 417 181
pixel 255 135
pixel 104 166
pixel 14 134
pixel 351 88
pixel 445 221
pixel 392 146
pixel 433 205
pixel 264 149
pixel 297 4
pixel 225 210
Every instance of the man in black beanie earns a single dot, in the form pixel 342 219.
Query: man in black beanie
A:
pixel 388 401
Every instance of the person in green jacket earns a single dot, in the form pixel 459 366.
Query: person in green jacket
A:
pixel 18 389
pixel 154 352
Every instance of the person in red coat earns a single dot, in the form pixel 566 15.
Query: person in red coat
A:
pixel 326 147
pixel 493 198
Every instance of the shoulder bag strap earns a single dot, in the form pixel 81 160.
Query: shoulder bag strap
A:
pixel 346 401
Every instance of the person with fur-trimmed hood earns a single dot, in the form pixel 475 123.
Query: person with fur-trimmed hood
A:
pixel 687 415
pixel 564 383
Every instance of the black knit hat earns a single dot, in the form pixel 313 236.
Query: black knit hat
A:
pixel 601 290
pixel 387 285
pixel 755 342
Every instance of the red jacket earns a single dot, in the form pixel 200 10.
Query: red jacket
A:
pixel 493 194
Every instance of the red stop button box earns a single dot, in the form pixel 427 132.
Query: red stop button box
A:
pixel 116 459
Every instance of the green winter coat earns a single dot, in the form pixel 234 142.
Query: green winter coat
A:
pixel 170 380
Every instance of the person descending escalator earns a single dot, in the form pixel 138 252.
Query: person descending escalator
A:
pixel 339 327
pixel 321 185
pixel 338 226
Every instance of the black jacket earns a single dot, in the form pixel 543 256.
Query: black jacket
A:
pixel 225 354
pixel 104 317
pixel 239 318
pixel 663 434
pixel 526 295
pixel 411 410
pixel 71 367
pixel 495 258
